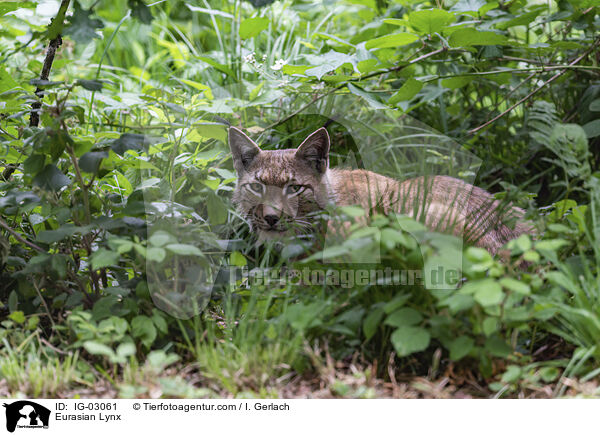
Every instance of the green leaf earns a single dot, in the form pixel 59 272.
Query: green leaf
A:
pixel 217 210
pixel 468 5
pixel 409 339
pixel 328 62
pixel 51 178
pixel 34 164
pixel 126 349
pixel 6 81
pixel 497 347
pixel 371 322
pixel 130 141
pixel 512 374
pixel 17 317
pixel 460 347
pixel 368 97
pixel 140 10
pixel 143 328
pixel 90 85
pixel 409 89
pixel 393 40
pixel 155 254
pixel 595 106
pixel 489 294
pixel 104 258
pixel 160 238
pixel 515 286
pixel 183 249
pixel 81 27
pixel 96 348
pixel 404 317
pixel 251 27
pixel 90 161
pixel 456 82
pixel 592 128
pixel 237 259
pixel 468 36
pixel 430 20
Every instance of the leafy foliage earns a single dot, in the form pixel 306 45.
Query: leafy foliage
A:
pixel 132 143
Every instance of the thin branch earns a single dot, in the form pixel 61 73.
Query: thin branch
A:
pixel 357 79
pixel 19 238
pixel 536 90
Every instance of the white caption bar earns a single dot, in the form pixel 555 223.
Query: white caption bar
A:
pixel 166 417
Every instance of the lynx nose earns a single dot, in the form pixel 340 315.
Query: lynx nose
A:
pixel 271 219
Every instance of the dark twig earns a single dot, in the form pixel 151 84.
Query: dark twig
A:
pixel 34 119
pixel 536 90
pixel 19 238
pixel 356 79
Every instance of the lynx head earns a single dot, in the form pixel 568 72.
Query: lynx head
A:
pixel 279 191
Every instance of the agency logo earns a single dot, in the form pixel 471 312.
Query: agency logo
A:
pixel 25 414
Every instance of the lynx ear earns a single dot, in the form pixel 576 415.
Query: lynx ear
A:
pixel 315 150
pixel 243 149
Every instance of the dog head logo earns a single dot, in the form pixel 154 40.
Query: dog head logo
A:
pixel 26 414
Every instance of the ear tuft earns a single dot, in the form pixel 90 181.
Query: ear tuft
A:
pixel 243 149
pixel 314 151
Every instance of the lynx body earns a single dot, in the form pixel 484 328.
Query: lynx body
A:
pixel 279 191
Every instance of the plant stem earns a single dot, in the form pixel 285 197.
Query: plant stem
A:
pixel 536 90
pixel 34 119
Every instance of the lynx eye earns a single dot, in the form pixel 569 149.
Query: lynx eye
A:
pixel 293 189
pixel 256 188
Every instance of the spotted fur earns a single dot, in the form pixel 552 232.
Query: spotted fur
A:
pixel 280 191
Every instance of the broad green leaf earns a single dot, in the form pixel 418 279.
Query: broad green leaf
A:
pixel 96 348
pixel 184 249
pixel 17 317
pixel 251 27
pixel 328 62
pixel 51 178
pixel 430 20
pixel 468 36
pixel 371 322
pixel 393 40
pixel 409 339
pixel 592 128
pixel 104 258
pixel 456 82
pixel 368 97
pixel 6 81
pixel 130 141
pixel 489 294
pixel 160 238
pixel 515 286
pixel 237 259
pixel 460 347
pixel 522 19
pixel 155 254
pixel 140 10
pixel 143 328
pixel 497 347
pixel 407 91
pixel 90 161
pixel 81 27
pixel 468 5
pixel 90 85
pixel 217 210
pixel 404 317
pixel 126 349
pixel 34 164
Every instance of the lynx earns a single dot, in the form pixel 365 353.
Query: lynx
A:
pixel 280 191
